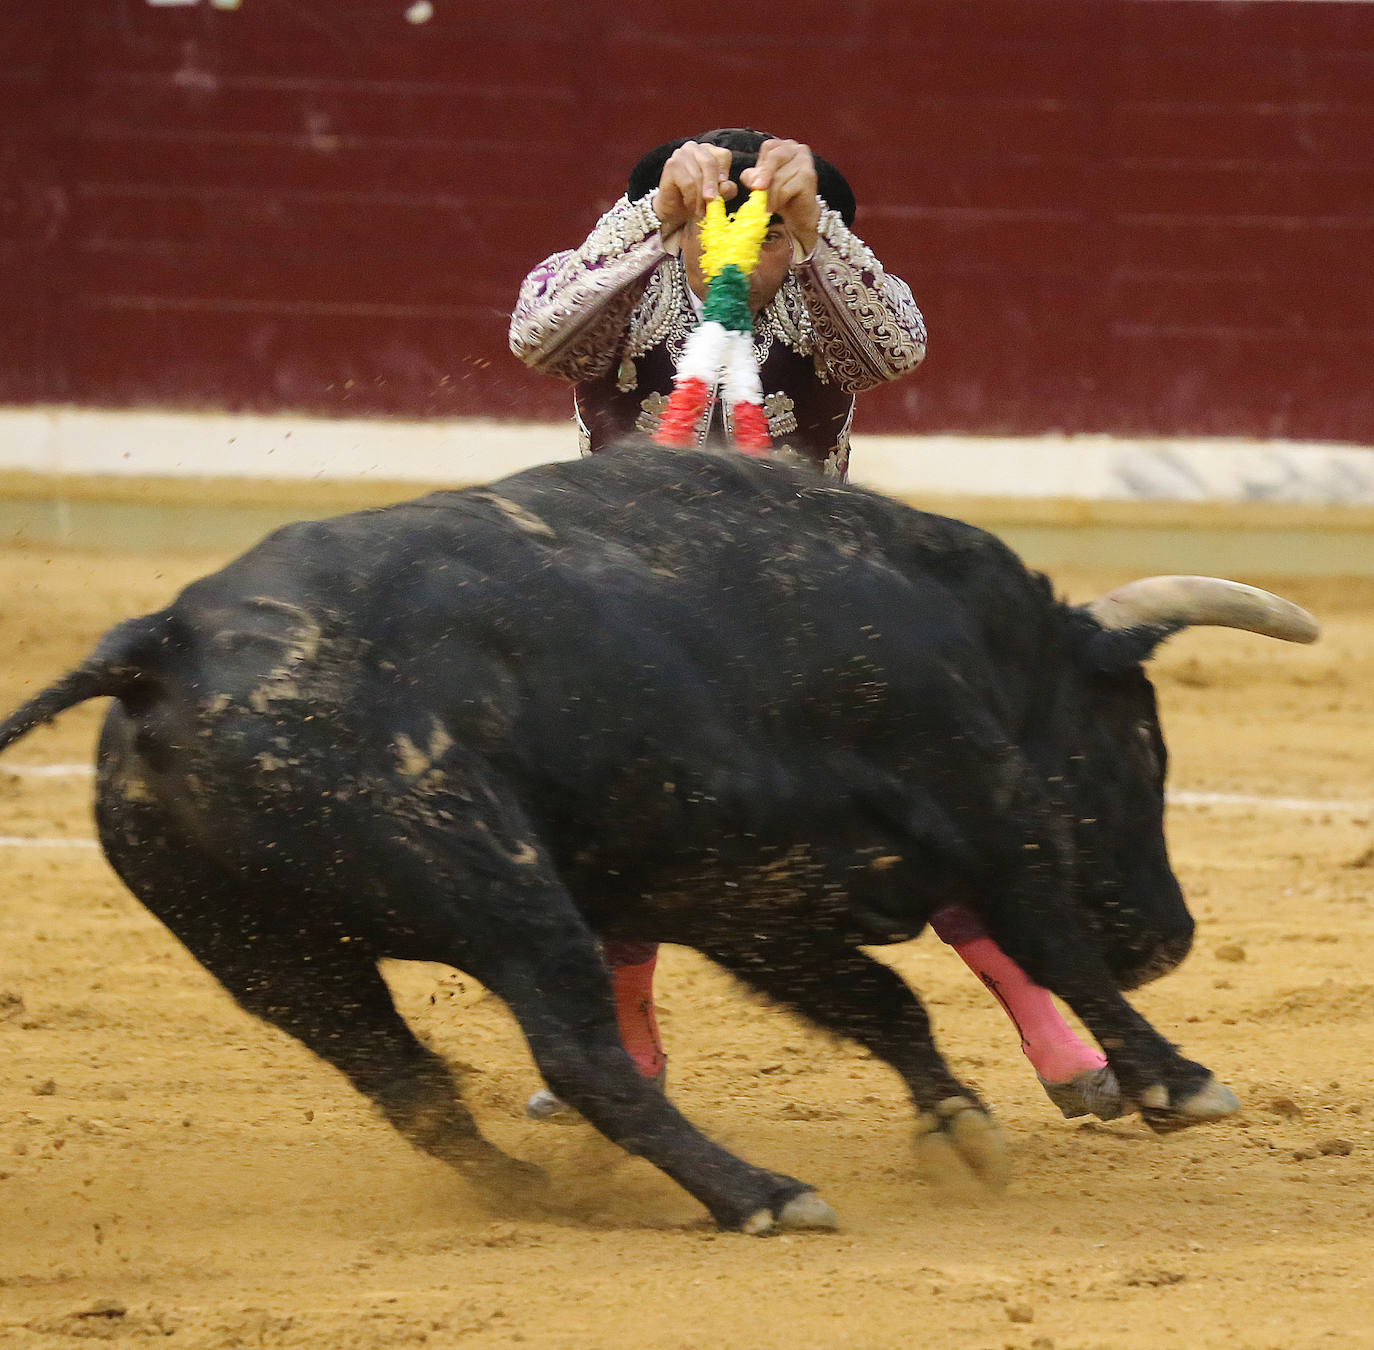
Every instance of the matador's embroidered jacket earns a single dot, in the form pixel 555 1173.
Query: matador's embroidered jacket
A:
pixel 613 315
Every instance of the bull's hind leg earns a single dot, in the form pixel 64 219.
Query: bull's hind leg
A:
pixel 315 985
pixel 846 991
pixel 338 1005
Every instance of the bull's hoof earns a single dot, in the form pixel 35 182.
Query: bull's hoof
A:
pixel 959 1148
pixel 1212 1101
pixel 543 1105
pixel 808 1211
pixel 804 1212
pixel 1092 1093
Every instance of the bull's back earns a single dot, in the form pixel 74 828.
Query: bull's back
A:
pixel 720 618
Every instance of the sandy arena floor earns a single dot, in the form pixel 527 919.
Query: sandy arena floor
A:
pixel 171 1171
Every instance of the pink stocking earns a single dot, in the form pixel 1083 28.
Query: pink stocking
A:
pixel 1047 1040
pixel 632 979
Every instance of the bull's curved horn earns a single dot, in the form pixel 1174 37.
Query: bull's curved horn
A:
pixel 1188 601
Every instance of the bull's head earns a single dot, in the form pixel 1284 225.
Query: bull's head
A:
pixel 1126 883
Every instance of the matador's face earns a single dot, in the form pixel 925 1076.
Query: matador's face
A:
pixel 775 260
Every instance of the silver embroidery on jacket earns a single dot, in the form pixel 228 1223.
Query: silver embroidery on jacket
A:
pixel 780 409
pixel 651 413
pixel 867 326
pixel 573 307
pixel 787 316
pixel 653 315
pixel 837 461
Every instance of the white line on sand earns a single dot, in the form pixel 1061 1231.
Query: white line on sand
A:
pixel 25 841
pixel 1270 803
pixel 48 770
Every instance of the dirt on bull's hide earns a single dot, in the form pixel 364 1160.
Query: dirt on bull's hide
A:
pixel 171 1171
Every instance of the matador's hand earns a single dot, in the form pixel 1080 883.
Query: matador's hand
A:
pixel 693 175
pixel 788 171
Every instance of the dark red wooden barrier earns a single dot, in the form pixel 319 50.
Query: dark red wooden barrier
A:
pixel 1118 215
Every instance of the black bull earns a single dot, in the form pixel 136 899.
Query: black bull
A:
pixel 701 700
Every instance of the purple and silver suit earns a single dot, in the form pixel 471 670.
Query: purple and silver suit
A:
pixel 612 317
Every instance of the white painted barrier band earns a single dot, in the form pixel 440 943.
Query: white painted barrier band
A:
pixel 65 440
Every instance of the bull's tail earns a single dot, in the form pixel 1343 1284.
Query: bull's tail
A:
pixel 122 666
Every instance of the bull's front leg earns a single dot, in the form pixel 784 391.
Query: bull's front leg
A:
pixel 1032 918
pixel 837 986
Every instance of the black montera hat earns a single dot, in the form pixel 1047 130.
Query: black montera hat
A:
pixel 743 144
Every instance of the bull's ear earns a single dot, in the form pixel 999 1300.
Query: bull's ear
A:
pixel 1114 651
